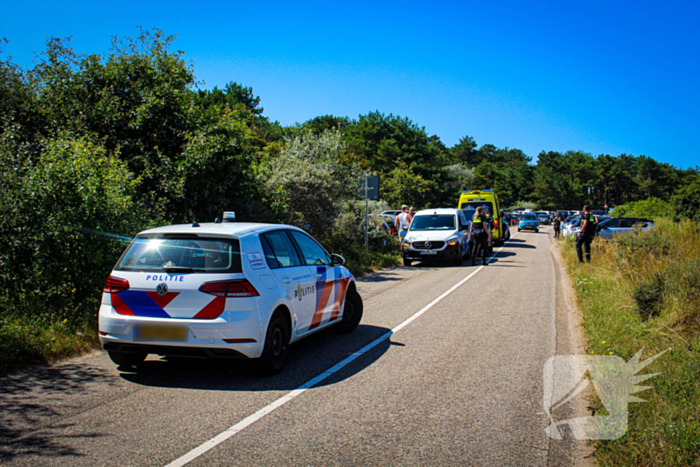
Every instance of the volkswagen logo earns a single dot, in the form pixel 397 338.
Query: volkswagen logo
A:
pixel 162 289
pixel 428 245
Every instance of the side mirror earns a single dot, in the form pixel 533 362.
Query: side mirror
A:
pixel 337 260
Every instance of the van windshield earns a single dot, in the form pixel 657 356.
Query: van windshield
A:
pixel 434 222
pixel 186 254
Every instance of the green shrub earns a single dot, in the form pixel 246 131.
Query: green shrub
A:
pixel 649 208
pixel 648 295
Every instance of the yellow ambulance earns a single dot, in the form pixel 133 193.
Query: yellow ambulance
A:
pixel 469 200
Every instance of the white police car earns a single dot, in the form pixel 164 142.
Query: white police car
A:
pixel 224 290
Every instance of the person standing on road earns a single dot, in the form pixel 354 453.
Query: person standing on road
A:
pixel 586 234
pixel 557 225
pixel 480 234
pixel 403 222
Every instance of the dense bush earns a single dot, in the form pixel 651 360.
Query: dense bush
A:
pixel 649 208
pixel 60 224
pixel 648 294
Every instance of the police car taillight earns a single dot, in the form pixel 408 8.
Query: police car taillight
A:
pixel 116 285
pixel 230 289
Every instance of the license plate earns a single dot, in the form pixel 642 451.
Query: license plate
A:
pixel 527 227
pixel 161 333
pixel 428 252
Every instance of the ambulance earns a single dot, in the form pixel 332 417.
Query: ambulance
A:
pixel 469 200
pixel 224 289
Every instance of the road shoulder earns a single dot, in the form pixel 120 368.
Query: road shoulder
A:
pixel 570 340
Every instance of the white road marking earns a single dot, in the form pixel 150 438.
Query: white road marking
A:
pixel 246 422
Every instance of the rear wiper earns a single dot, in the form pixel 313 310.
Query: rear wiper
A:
pixel 180 269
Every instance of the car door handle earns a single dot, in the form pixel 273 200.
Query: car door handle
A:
pixel 286 280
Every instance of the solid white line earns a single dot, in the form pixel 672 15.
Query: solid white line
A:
pixel 246 422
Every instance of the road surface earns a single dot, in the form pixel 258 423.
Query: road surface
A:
pixel 453 377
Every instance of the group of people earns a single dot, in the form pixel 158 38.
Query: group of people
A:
pixel 482 223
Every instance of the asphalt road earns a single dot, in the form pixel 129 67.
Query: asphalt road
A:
pixel 460 384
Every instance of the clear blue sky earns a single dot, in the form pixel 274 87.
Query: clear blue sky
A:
pixel 598 76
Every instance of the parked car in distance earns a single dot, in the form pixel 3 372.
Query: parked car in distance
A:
pixel 620 225
pixel 529 221
pixel 543 217
pixel 392 212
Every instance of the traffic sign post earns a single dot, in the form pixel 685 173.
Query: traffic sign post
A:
pixel 369 187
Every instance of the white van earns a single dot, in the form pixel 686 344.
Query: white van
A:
pixel 436 234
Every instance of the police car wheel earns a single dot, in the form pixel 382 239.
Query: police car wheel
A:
pixel 276 345
pixel 127 358
pixel 352 313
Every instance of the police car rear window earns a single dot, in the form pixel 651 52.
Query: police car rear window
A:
pixel 173 254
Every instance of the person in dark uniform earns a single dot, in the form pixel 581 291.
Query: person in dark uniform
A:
pixel 586 234
pixel 557 225
pixel 480 233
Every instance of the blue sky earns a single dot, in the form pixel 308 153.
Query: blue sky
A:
pixel 600 77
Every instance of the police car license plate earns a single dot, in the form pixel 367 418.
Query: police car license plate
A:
pixel 161 333
pixel 428 252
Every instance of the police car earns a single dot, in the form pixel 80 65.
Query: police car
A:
pixel 224 289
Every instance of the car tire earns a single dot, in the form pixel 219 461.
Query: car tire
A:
pixel 352 312
pixel 518 230
pixel 537 230
pixel 407 262
pixel 276 347
pixel 127 358
pixel 459 258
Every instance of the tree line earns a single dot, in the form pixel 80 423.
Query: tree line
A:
pixel 94 148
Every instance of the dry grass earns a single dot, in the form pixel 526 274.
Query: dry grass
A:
pixel 643 291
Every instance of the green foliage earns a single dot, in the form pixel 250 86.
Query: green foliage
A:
pixel 381 140
pixel 62 214
pixel 648 208
pixel 522 205
pixel 217 171
pixel 687 201
pixel 306 185
pixel 506 171
pixel 403 186
pixel 648 295
pixel 136 100
pixel 458 177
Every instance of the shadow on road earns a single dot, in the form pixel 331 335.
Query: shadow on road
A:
pixel 26 407
pixel 307 359
pixel 520 245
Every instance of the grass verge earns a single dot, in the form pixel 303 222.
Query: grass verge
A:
pixel 643 291
pixel 29 341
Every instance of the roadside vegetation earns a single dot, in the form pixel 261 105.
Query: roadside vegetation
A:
pixel 95 148
pixel 642 291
